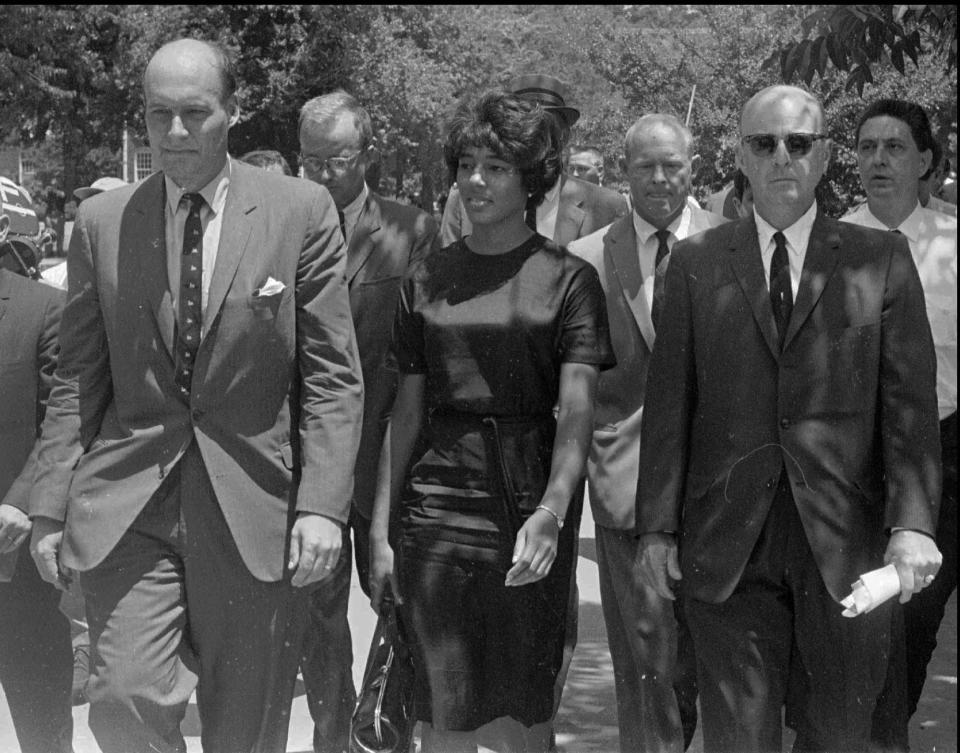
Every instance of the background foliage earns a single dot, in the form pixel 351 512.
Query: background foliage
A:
pixel 70 74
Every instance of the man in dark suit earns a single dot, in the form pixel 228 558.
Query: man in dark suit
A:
pixel 196 459
pixel 789 446
pixel 656 695
pixel 572 207
pixel 36 658
pixel 383 237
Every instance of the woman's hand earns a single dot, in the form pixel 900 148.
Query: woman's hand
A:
pixel 383 578
pixel 535 549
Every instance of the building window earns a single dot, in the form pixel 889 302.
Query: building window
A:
pixel 144 164
pixel 28 169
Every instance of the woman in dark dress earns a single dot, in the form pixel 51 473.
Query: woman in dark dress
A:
pixel 492 334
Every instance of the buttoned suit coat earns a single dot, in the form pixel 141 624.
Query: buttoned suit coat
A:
pixel 584 208
pixel 848 408
pixel 29 319
pixel 386 238
pixel 276 399
pixel 614 458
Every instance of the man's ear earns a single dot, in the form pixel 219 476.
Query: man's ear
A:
pixel 738 157
pixel 4 226
pixel 233 107
pixel 694 164
pixel 926 158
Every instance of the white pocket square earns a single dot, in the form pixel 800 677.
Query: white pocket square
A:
pixel 270 287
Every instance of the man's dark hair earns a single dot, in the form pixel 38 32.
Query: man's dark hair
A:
pixel 517 131
pixel 740 184
pixel 910 113
pixel 267 158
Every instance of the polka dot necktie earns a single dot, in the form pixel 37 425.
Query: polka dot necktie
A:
pixel 663 250
pixel 191 291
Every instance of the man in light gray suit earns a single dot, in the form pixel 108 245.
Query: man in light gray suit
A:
pixel 656 694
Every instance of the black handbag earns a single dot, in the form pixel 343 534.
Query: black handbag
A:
pixel 383 719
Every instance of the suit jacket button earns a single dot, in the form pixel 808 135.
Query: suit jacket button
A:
pixel 784 423
pixel 196 414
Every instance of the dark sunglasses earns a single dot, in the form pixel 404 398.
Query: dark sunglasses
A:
pixel 797 144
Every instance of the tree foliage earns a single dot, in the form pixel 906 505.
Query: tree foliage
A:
pixel 854 38
pixel 71 78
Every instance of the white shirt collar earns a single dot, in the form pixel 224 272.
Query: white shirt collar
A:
pixel 910 227
pixel 214 193
pixel 678 227
pixel 797 235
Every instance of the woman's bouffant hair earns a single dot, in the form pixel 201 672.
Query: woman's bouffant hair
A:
pixel 516 130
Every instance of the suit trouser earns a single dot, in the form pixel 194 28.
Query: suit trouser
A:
pixel 327 660
pixel 780 614
pixel 654 667
pixel 921 616
pixel 36 660
pixel 173 607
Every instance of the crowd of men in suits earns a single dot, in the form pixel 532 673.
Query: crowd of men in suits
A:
pixel 211 395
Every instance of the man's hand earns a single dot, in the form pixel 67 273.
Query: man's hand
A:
pixel 657 562
pixel 14 528
pixel 315 544
pixel 45 542
pixel 917 559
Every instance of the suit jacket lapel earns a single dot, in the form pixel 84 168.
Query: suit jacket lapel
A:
pixel 748 267
pixel 823 254
pixel 570 214
pixel 144 242
pixel 620 246
pixel 238 215
pixel 361 241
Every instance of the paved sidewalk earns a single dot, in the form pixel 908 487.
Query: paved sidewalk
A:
pixel 588 715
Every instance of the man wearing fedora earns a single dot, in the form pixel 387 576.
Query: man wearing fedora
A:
pixel 572 207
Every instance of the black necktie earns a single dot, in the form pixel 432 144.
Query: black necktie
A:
pixel 191 292
pixel 663 250
pixel 531 218
pixel 343 225
pixel 781 294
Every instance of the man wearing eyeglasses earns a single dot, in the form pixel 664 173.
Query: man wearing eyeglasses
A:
pixel 895 147
pixel 383 238
pixel 790 442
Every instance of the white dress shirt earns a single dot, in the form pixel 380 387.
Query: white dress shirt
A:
pixel 351 213
pixel 933 243
pixel 647 244
pixel 797 236
pixel 211 218
pixel 548 210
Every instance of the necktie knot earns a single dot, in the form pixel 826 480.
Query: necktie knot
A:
pixel 195 201
pixel 343 224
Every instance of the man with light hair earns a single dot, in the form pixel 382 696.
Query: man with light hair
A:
pixel 383 238
pixel 656 690
pixel 789 445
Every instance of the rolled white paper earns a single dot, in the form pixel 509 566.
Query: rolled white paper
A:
pixel 871 590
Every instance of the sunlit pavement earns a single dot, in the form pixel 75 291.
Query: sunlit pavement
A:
pixel 587 722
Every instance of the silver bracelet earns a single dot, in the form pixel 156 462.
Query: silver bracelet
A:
pixel 555 516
